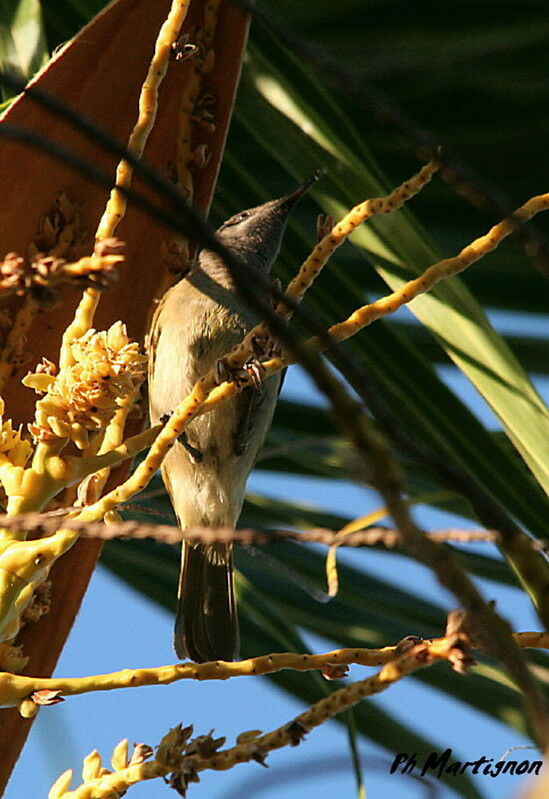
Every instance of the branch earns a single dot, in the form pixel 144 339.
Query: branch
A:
pixel 18 689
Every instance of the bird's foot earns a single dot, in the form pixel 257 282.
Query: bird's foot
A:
pixel 263 349
pixel 250 374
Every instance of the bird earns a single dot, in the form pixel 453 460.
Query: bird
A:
pixel 197 322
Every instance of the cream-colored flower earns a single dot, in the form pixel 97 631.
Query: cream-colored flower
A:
pixel 84 397
pixel 16 449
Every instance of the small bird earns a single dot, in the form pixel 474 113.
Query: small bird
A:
pixel 197 322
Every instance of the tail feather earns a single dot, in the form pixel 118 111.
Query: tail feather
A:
pixel 206 626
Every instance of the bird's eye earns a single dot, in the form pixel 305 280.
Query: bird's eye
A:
pixel 234 220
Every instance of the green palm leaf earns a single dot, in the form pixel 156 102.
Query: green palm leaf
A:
pixel 23 48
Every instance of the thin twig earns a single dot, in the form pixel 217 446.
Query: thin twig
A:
pixel 169 534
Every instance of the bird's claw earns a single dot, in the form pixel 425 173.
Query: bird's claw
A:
pixel 324 225
pixel 255 372
pixel 252 372
pixel 241 376
pixel 263 349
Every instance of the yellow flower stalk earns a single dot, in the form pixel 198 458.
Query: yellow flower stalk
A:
pixel 38 277
pixel 182 757
pixel 16 687
pixel 116 206
pixel 23 566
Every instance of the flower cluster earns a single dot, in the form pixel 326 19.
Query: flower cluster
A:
pixel 83 398
pixel 96 776
pixel 41 276
pixel 12 446
pixel 59 230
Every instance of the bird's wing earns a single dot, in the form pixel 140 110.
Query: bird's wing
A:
pixel 249 404
pixel 255 410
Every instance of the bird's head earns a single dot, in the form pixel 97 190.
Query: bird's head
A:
pixel 255 235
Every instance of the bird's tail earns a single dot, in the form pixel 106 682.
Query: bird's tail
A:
pixel 206 625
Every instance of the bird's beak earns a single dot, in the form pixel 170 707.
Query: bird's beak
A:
pixel 289 200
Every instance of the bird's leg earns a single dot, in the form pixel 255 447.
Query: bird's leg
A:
pixel 195 454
